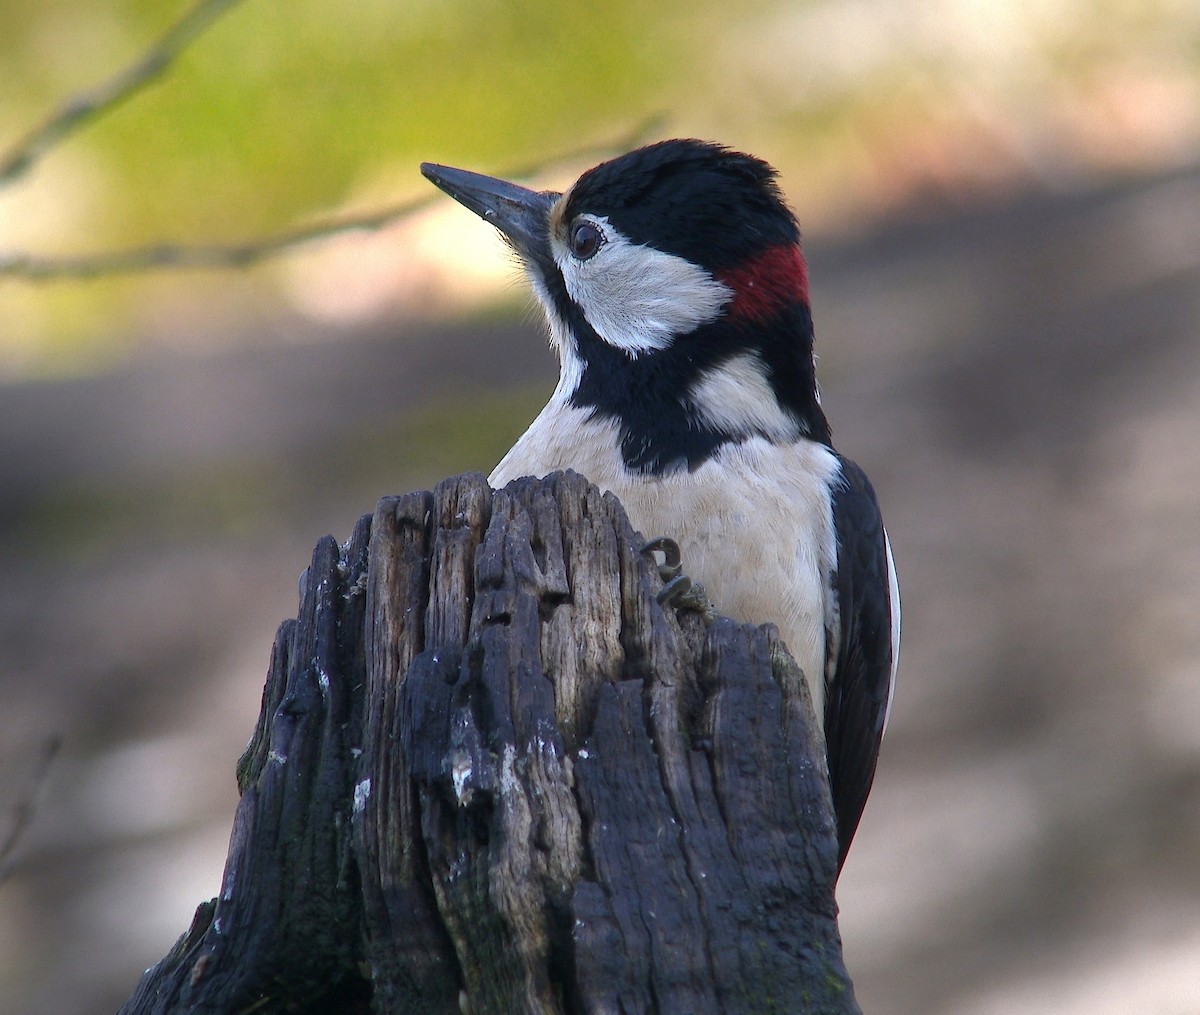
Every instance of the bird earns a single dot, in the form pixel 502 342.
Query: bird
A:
pixel 676 294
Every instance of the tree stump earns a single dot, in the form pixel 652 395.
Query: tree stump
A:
pixel 492 775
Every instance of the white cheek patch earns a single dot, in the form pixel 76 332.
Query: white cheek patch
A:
pixel 736 398
pixel 638 298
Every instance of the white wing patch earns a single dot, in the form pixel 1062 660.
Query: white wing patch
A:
pixel 638 298
pixel 894 600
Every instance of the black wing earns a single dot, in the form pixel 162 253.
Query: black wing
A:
pixel 859 683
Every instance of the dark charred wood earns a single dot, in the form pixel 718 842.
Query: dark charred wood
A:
pixel 491 774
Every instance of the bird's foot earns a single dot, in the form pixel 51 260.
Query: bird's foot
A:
pixel 679 591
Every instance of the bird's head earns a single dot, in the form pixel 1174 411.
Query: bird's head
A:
pixel 676 293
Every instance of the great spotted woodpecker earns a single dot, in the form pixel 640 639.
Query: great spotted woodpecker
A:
pixel 676 293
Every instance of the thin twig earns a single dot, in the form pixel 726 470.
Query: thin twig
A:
pixel 638 134
pixel 160 256
pixel 26 806
pixel 86 106
pixel 175 256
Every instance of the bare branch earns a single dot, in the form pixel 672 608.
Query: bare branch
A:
pixel 81 109
pixel 638 134
pixel 176 256
pixel 160 256
pixel 26 805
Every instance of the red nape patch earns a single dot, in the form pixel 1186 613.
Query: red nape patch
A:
pixel 776 277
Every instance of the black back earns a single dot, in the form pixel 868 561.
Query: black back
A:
pixel 856 695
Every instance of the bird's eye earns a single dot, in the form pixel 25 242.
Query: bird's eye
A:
pixel 586 239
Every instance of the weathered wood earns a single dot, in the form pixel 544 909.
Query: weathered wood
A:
pixel 493 775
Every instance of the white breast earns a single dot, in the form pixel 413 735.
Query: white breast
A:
pixel 754 522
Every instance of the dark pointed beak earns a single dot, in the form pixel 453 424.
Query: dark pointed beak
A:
pixel 522 215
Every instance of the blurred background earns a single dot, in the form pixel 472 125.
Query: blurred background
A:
pixel 1001 205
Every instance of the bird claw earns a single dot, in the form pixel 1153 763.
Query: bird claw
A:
pixel 682 593
pixel 672 565
pixel 678 591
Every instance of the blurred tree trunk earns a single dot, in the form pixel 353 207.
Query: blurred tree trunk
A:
pixel 492 775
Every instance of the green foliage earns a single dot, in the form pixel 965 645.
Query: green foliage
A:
pixel 286 110
pixel 283 105
pixel 281 111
